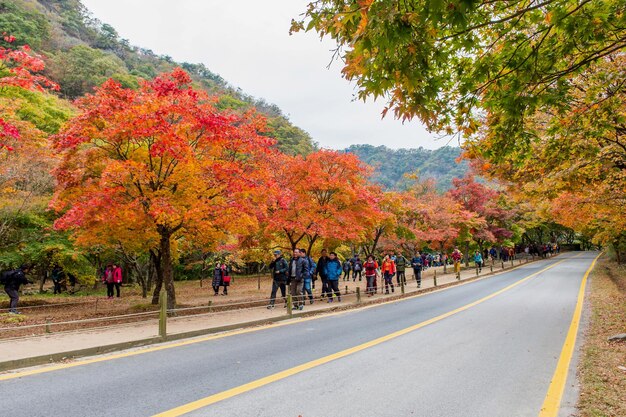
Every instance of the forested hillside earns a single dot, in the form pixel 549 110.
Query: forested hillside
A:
pixel 82 52
pixel 390 165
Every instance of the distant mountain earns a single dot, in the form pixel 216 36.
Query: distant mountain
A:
pixel 391 164
pixel 81 52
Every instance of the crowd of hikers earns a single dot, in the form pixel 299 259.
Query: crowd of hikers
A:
pixel 297 276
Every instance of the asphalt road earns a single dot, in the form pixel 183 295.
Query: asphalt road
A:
pixel 492 359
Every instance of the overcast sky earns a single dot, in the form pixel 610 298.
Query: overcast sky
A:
pixel 247 42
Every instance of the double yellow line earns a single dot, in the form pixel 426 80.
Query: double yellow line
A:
pixel 212 399
pixel 550 406
pixel 552 402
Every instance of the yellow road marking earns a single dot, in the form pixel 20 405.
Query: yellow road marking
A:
pixel 552 401
pixel 212 399
pixel 58 367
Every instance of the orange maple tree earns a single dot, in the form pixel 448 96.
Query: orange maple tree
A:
pixel 323 195
pixel 159 167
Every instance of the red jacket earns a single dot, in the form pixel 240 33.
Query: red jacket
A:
pixel 370 268
pixel 117 275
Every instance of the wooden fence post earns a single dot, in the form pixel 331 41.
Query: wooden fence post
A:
pixel 163 314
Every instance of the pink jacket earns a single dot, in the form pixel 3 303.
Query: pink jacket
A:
pixel 117 275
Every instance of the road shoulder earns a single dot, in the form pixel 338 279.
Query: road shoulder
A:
pixel 602 381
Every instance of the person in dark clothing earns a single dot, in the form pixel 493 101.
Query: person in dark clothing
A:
pixel 321 271
pixel 218 277
pixel 298 267
pixel 57 277
pixel 357 267
pixel 279 268
pixel 14 281
pixel 347 267
pixel 401 263
pixel 107 278
pixel 417 264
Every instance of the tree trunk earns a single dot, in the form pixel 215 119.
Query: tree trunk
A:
pixel 167 271
pixel 156 263
pixel 445 263
pixel 311 243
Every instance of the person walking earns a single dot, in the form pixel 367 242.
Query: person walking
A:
pixel 371 269
pixel 297 269
pixel 388 269
pixel 107 278
pixel 401 263
pixel 309 277
pixel 417 264
pixel 347 267
pixel 12 281
pixel 57 276
pixel 457 255
pixel 357 267
pixel 117 279
pixel 478 260
pixel 225 278
pixel 279 268
pixel 218 277
pixel 321 271
pixel 333 272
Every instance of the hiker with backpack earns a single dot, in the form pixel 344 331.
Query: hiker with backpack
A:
pixel 417 265
pixel 478 260
pixel 371 270
pixel 333 272
pixel 357 267
pixel 401 263
pixel 321 271
pixel 347 267
pixel 279 268
pixel 456 256
pixel 12 281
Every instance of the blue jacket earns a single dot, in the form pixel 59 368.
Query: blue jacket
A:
pixel 333 269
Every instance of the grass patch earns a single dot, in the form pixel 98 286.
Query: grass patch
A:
pixel 142 307
pixel 6 318
pixel 603 383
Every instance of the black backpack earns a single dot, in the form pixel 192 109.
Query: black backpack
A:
pixel 7 277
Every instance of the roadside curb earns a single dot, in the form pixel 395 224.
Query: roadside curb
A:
pixel 99 350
